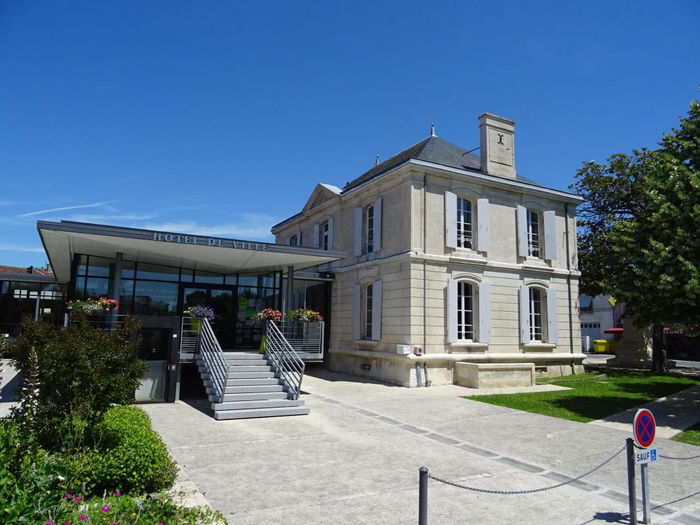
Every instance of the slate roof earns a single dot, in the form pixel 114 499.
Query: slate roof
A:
pixel 433 149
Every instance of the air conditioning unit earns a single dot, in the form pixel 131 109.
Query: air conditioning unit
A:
pixel 403 349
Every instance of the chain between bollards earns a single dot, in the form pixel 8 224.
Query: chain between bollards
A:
pixel 423 496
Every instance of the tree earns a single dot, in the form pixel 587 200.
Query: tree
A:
pixel 639 226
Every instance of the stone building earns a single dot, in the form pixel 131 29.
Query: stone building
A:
pixel 457 269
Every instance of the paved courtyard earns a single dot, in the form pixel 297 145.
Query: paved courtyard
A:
pixel 355 459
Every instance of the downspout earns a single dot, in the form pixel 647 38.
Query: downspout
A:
pixel 568 281
pixel 425 277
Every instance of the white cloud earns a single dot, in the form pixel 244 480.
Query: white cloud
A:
pixel 65 208
pixel 84 217
pixel 249 226
pixel 20 248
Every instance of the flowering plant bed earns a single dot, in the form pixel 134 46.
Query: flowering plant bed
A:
pixel 303 315
pixel 268 314
pixel 201 312
pixel 94 306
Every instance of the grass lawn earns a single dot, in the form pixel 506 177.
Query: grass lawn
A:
pixel 692 435
pixel 594 396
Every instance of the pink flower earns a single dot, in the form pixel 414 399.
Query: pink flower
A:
pixel 105 508
pixel 117 494
pixel 77 498
pixel 68 496
pixel 84 517
pixel 50 522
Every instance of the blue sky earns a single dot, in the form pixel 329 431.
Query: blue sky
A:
pixel 219 118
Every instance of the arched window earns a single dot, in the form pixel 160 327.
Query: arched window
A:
pixel 468 311
pixel 538 314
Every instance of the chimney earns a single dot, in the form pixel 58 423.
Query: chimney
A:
pixel 497 145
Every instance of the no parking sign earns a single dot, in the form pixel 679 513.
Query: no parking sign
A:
pixel 644 427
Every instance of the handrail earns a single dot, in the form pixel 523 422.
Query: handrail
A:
pixel 289 365
pixel 214 359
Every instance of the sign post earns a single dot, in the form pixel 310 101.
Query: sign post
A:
pixel 644 429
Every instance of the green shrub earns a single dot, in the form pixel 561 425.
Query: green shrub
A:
pixel 129 456
pixel 29 486
pixel 82 370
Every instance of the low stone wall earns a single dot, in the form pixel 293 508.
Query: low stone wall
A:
pixel 494 375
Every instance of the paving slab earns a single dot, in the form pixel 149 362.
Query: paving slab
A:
pixel 673 414
pixel 355 459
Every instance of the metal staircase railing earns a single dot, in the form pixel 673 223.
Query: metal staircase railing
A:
pixel 283 357
pixel 213 357
pixel 305 338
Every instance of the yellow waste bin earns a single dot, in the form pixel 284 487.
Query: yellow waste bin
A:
pixel 600 345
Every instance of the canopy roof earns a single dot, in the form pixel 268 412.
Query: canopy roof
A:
pixel 62 240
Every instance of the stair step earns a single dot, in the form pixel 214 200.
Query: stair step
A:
pixel 254 388
pixel 251 396
pixel 241 356
pixel 261 412
pixel 259 403
pixel 236 374
pixel 262 381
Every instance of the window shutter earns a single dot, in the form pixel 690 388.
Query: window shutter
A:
pixel 524 314
pixel 450 219
pixel 552 330
pixel 314 235
pixel 484 312
pixel 550 236
pixel 288 241
pixel 377 311
pixel 482 217
pixel 300 242
pixel 522 231
pixel 378 224
pixel 330 233
pixel 358 231
pixel 357 291
pixel 452 311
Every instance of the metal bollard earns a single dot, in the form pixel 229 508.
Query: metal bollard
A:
pixel 423 496
pixel 631 486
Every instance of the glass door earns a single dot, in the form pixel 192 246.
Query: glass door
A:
pixel 222 301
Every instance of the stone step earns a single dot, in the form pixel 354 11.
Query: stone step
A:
pixel 251 396
pixel 249 382
pixel 235 374
pixel 259 403
pixel 240 356
pixel 261 412
pixel 254 388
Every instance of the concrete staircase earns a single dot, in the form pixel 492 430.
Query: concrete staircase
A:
pixel 252 389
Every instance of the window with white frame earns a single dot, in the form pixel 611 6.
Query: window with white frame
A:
pixel 465 311
pixel 537 233
pixel 295 240
pixel 533 233
pixel 464 223
pixel 535 313
pixel 368 229
pixel 367 309
pixel 538 314
pixel 324 235
pixel 468 311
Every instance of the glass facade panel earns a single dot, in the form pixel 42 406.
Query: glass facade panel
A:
pixel 155 298
pixel 128 269
pixel 186 275
pixel 81 268
pixel 232 279
pixel 99 266
pixel 126 297
pixel 208 277
pixel 155 272
pixel 248 280
pixel 96 287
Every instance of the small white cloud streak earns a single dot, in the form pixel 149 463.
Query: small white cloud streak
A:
pixel 19 248
pixel 250 226
pixel 65 208
pixel 84 217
